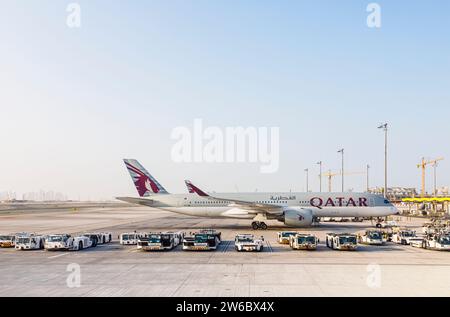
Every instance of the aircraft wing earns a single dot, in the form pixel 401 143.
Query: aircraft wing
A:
pixel 137 201
pixel 258 207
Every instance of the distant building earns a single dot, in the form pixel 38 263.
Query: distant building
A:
pixel 7 196
pixel 43 195
pixel 395 193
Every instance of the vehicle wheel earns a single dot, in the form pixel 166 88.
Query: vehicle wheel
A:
pixel 80 245
pixel 41 245
pixel 378 225
pixel 403 242
pixel 110 238
pixel 104 240
pixel 263 226
pixel 255 225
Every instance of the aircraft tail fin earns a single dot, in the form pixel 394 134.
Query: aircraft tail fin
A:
pixel 194 189
pixel 189 186
pixel 145 183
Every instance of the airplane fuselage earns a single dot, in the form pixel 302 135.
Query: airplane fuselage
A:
pixel 321 204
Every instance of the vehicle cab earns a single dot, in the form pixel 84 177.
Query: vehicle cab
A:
pixel 29 242
pixel 342 241
pixel 129 238
pixel 201 242
pixel 403 236
pixel 387 224
pixel 438 242
pixel 283 237
pixel 248 242
pixel 371 237
pixel 213 232
pixel 156 241
pixel 57 242
pixel 302 241
pixel 7 241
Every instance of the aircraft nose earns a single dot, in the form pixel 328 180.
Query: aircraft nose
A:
pixel 394 210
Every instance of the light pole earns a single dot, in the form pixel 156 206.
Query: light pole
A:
pixel 320 175
pixel 368 168
pixel 307 179
pixel 384 126
pixel 342 170
pixel 435 179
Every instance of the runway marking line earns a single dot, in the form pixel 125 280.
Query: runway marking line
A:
pixel 58 255
pixel 269 246
pixel 227 244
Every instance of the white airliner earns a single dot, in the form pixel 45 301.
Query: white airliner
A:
pixel 293 209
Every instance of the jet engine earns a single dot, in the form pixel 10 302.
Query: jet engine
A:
pixel 297 217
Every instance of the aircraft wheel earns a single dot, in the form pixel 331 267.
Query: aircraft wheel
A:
pixel 263 226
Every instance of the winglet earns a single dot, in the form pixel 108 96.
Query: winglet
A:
pixel 194 189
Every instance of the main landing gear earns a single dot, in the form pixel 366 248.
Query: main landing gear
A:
pixel 259 225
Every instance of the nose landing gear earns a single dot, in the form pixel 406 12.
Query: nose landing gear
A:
pixel 256 225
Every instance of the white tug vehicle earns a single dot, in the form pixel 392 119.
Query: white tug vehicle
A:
pixel 7 241
pixel 342 241
pixel 159 241
pixel 129 238
pixel 29 242
pixel 105 237
pixel 302 241
pixel 283 237
pixel 248 242
pixel 66 242
pixel 371 237
pixel 404 236
pixel 439 242
pixel 202 241
pixel 98 237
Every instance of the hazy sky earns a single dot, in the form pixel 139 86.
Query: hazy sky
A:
pixel 75 101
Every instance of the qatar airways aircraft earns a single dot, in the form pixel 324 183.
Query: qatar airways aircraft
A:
pixel 293 209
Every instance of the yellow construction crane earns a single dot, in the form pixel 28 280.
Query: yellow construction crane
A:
pixel 330 176
pixel 424 165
